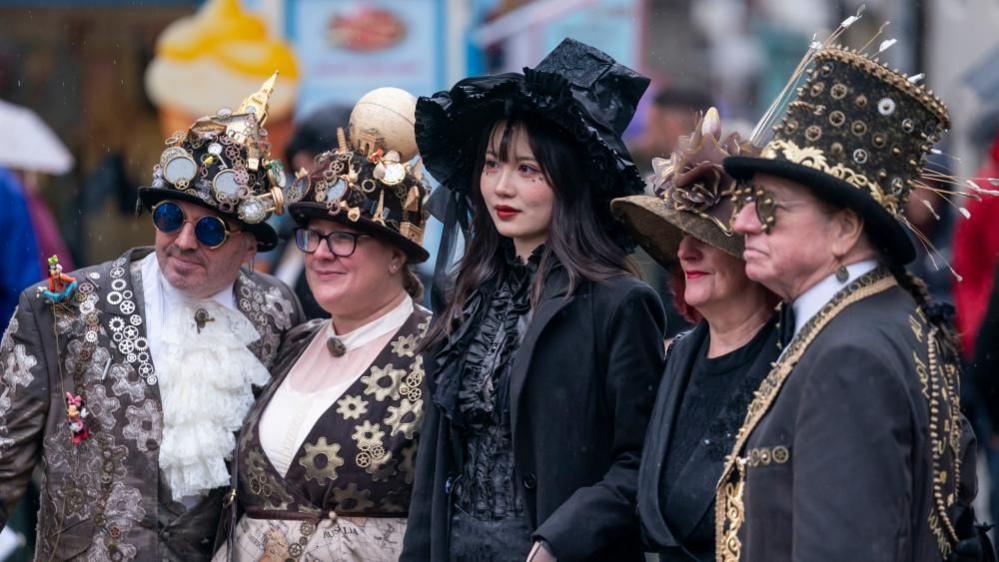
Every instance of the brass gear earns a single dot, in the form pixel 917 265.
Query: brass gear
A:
pixel 321 449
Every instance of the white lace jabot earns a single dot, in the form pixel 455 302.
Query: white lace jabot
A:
pixel 205 377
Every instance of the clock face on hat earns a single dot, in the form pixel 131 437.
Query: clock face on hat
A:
pixel 226 186
pixel 178 166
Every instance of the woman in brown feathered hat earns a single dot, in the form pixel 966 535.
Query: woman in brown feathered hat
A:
pixel 713 370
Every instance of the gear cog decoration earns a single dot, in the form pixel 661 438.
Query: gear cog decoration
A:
pixel 324 470
pixel 352 500
pixel 383 382
pixel 404 418
pixel 352 407
pixel 405 346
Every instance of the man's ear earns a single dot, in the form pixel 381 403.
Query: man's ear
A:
pixel 849 232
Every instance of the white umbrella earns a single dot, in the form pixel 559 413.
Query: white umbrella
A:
pixel 27 143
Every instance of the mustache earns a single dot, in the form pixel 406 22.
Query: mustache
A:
pixel 175 251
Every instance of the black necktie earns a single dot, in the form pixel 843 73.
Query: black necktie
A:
pixel 785 325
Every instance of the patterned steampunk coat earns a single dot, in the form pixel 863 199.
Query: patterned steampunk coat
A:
pixel 854 447
pixel 358 458
pixel 104 499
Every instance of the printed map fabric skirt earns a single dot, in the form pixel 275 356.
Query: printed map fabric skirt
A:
pixel 347 539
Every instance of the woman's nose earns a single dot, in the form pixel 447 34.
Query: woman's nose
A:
pixel 504 183
pixel 689 249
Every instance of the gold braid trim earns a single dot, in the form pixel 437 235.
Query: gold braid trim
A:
pixel 814 157
pixel 729 508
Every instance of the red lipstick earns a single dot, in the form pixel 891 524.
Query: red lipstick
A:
pixel 505 213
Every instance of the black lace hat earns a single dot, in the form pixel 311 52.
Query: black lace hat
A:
pixel 857 134
pixel 577 87
pixel 223 162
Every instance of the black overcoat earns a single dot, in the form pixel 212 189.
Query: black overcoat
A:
pixel 691 498
pixel 582 388
pixel 841 466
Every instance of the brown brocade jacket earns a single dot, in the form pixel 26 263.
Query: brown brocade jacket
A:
pixel 103 499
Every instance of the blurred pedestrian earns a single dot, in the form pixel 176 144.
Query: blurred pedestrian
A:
pixel 672 114
pixel 19 266
pixel 546 357
pixel 127 379
pixel 336 431
pixel 712 371
pixel 840 455
pixel 50 240
pixel 976 252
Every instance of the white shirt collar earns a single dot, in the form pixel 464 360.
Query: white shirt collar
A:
pixel 155 282
pixel 812 300
pixel 386 323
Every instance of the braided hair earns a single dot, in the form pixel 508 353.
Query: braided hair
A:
pixel 940 315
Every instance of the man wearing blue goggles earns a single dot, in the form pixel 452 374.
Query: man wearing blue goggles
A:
pixel 130 377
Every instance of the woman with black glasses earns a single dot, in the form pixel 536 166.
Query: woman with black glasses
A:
pixel 325 462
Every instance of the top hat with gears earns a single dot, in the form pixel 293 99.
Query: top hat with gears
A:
pixel 857 134
pixel 373 180
pixel 223 162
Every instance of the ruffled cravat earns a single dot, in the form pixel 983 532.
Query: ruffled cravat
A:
pixel 205 385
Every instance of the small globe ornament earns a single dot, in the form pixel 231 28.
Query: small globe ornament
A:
pixel 385 119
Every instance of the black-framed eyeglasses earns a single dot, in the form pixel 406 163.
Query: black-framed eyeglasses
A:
pixel 340 244
pixel 210 231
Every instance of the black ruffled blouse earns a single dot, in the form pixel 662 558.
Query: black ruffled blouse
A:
pixel 486 488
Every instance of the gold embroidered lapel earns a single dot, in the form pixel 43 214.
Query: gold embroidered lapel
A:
pixel 729 506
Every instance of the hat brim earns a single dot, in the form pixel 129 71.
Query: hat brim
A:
pixel 303 212
pixel 448 123
pixel 263 233
pixel 658 228
pixel 885 232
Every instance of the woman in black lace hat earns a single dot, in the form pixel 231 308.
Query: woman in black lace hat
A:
pixel 543 365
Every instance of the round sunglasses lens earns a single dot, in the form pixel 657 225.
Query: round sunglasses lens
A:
pixel 210 231
pixel 168 217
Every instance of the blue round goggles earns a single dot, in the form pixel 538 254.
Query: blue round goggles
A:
pixel 210 231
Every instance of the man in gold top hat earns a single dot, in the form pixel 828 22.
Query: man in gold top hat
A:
pixel 124 382
pixel 854 447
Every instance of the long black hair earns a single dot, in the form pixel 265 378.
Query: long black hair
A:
pixel 581 237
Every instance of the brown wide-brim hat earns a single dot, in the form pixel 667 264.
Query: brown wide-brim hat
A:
pixel 304 211
pixel 659 228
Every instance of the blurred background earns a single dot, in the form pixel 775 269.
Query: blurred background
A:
pixel 89 89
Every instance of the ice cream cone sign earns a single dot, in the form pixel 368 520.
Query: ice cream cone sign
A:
pixel 209 60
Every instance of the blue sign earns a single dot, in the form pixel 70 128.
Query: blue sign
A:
pixel 346 48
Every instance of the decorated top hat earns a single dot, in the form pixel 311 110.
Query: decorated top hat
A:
pixel 693 195
pixel 223 163
pixel 371 181
pixel 857 134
